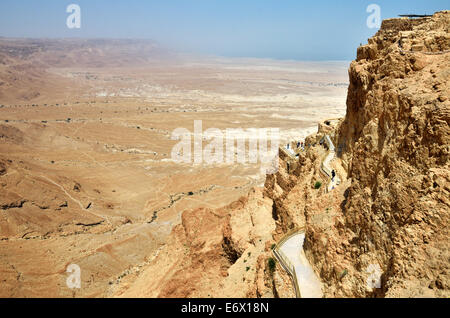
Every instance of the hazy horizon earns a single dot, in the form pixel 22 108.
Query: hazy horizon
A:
pixel 292 30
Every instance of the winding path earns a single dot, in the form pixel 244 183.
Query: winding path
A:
pixel 326 168
pixel 75 200
pixel 289 252
pixel 309 284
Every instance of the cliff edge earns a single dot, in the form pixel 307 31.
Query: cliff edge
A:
pixel 390 236
pixel 381 231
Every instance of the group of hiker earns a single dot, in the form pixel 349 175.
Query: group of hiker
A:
pixel 300 144
pixel 290 149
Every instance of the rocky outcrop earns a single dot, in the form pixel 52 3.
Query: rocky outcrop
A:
pixel 394 215
pixel 215 253
pixel 383 232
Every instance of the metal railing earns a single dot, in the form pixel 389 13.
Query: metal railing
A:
pixel 285 262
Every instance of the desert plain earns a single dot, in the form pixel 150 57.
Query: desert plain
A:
pixel 86 174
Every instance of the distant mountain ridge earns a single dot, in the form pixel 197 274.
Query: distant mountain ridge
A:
pixel 24 63
pixel 82 52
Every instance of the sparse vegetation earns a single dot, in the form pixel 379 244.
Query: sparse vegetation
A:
pixel 225 216
pixel 272 264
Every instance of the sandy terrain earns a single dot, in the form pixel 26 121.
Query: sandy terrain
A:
pixel 85 152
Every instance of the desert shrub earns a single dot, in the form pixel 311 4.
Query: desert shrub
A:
pixel 272 264
pixel 317 185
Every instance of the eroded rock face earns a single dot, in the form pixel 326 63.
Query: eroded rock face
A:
pixel 395 139
pixel 382 232
pixel 215 253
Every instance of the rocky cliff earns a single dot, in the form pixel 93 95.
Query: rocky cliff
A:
pixel 214 253
pixel 391 225
pixel 382 232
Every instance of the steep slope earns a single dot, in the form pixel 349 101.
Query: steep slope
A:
pixel 214 253
pixel 382 232
pixel 392 225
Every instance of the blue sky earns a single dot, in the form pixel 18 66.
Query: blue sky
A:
pixel 280 29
